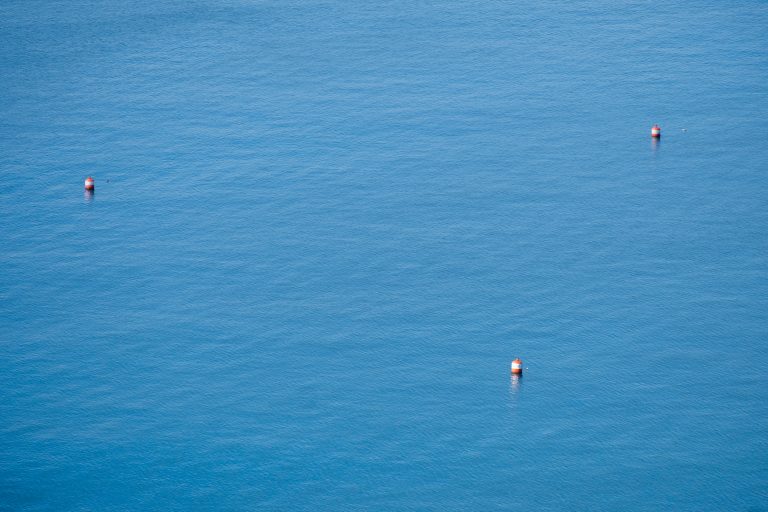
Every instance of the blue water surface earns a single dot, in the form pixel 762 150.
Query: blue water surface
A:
pixel 321 230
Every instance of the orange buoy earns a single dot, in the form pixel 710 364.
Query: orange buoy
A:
pixel 517 367
pixel 656 131
pixel 89 185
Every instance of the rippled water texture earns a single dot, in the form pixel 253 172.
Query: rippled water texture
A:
pixel 322 230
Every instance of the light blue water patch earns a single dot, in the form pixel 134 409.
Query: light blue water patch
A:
pixel 321 231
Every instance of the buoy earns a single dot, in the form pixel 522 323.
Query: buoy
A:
pixel 517 367
pixel 89 185
pixel 656 131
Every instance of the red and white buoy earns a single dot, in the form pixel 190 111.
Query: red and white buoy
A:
pixel 89 184
pixel 517 366
pixel 656 131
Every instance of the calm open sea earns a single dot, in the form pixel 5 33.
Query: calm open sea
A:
pixel 321 231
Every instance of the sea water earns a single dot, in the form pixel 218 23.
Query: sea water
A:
pixel 322 230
